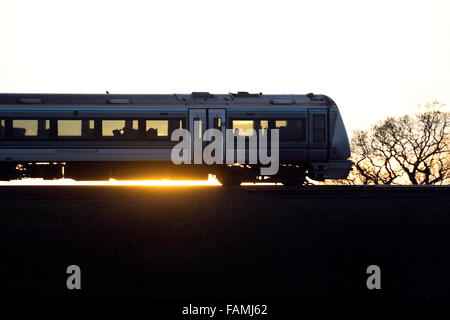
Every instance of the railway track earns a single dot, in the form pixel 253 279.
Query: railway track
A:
pixel 200 192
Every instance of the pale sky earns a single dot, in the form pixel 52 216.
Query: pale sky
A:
pixel 374 58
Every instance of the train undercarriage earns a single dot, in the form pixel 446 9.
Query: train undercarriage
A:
pixel 292 174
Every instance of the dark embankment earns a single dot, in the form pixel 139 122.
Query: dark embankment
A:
pixel 219 243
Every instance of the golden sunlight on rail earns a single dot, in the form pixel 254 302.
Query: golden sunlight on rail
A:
pixel 212 181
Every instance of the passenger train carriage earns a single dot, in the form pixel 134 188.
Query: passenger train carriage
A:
pixel 120 136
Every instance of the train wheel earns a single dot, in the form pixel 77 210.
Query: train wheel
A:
pixel 10 171
pixel 294 181
pixel 230 180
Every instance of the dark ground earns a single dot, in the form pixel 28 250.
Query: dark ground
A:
pixel 225 244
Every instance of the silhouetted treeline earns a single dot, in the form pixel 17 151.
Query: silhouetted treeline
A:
pixel 412 149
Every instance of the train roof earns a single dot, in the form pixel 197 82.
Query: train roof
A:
pixel 192 99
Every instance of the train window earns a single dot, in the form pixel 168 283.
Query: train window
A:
pixel 31 129
pixel 25 128
pixel 198 125
pixel 264 126
pixel 2 129
pixel 217 123
pixel 162 129
pixel 75 129
pixel 69 128
pixel 319 128
pixel 88 129
pixel 136 129
pixel 156 128
pixel 120 129
pixel 111 128
pixel 291 129
pixel 243 127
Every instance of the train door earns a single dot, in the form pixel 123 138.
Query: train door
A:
pixel 216 120
pixel 318 134
pixel 197 128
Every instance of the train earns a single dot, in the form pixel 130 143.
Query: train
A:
pixel 128 136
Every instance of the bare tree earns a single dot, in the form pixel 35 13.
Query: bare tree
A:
pixel 372 164
pixel 412 149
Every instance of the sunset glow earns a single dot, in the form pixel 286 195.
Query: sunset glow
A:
pixel 145 183
pixel 212 182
